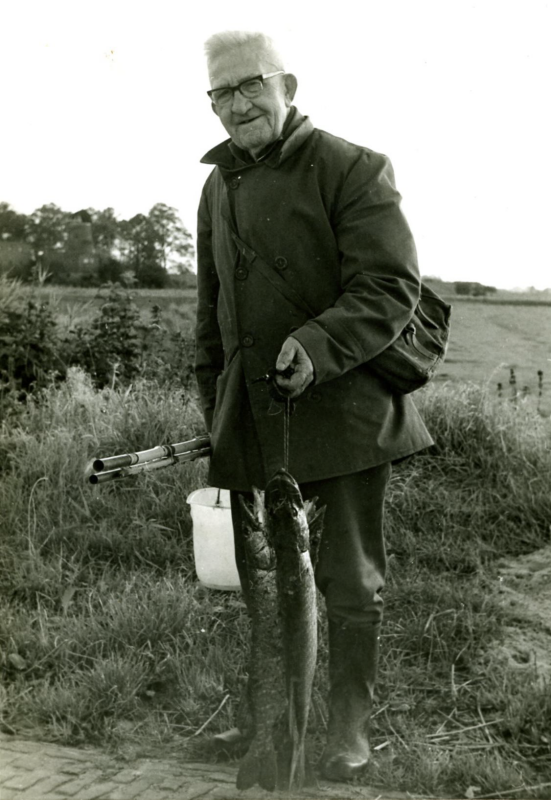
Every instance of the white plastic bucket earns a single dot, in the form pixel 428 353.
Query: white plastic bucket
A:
pixel 213 538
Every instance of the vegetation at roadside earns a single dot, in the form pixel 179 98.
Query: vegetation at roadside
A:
pixel 106 636
pixel 109 337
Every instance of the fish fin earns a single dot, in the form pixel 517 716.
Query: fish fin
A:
pixel 248 511
pixel 293 735
pixel 249 770
pixel 310 778
pixel 310 508
pixel 258 766
pixel 268 771
pixel 316 530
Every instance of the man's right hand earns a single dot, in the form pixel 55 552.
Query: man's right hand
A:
pixel 293 354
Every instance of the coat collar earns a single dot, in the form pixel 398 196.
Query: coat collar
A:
pixel 230 157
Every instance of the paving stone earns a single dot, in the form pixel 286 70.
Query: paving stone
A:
pixel 20 746
pixel 66 753
pixel 23 763
pixel 80 784
pixel 132 790
pixel 98 790
pixel 9 794
pixel 173 782
pixel 54 772
pixel 196 789
pixel 6 773
pixel 155 794
pixel 228 793
pixel 223 777
pixel 126 775
pixel 45 788
pixel 24 780
pixel 8 756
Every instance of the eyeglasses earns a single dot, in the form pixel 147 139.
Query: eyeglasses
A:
pixel 249 88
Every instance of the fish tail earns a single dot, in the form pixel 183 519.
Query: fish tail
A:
pixel 259 765
pixel 296 761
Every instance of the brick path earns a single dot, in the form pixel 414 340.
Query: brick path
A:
pixel 40 771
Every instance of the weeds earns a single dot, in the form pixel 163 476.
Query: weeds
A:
pixel 106 635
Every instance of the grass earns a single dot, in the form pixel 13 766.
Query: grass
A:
pixel 107 637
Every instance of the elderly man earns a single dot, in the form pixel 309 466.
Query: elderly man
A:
pixel 305 264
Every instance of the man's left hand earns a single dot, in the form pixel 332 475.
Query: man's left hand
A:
pixel 293 354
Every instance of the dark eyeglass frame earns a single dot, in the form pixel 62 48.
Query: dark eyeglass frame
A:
pixel 238 87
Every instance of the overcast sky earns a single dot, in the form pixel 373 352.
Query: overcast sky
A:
pixel 104 104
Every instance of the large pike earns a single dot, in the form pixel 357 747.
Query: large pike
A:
pixel 289 535
pixel 266 678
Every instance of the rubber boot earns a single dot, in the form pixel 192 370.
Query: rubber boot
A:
pixel 353 658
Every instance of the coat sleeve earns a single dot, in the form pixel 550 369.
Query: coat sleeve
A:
pixel 379 275
pixel 209 353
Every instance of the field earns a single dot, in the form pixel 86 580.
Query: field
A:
pixel 75 305
pixel 107 637
pixel 487 338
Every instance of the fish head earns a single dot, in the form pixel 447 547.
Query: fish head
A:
pixel 286 512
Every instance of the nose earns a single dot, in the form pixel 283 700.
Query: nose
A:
pixel 240 104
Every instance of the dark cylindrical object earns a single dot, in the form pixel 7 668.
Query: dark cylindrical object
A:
pixel 143 456
pixel 103 477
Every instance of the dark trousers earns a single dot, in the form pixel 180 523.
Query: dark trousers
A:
pixel 351 564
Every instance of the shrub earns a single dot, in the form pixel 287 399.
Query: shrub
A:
pixel 29 347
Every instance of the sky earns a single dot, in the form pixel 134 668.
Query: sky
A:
pixel 104 105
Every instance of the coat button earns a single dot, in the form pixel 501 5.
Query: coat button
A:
pixel 247 340
pixel 281 262
pixel 241 273
pixel 234 183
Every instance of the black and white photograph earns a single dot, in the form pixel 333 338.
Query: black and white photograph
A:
pixel 275 400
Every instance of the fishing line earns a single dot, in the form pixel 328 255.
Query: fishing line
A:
pixel 286 432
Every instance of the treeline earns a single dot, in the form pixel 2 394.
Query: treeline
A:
pixel 473 289
pixel 90 247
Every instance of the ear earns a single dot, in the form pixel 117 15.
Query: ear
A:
pixel 215 109
pixel 291 84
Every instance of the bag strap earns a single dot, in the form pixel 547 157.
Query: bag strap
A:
pixel 269 273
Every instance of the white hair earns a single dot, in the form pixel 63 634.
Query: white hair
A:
pixel 226 41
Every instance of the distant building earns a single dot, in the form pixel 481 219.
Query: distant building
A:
pixel 79 249
pixel 78 258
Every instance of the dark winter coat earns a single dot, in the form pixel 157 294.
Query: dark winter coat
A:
pixel 343 280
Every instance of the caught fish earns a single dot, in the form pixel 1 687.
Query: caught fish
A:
pixel 288 534
pixel 267 684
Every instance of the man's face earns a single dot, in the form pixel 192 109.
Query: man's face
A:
pixel 252 123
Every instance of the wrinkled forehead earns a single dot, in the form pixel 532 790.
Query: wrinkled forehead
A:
pixel 235 65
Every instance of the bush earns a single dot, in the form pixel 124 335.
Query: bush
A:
pixel 116 346
pixel 29 346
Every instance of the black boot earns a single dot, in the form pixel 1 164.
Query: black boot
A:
pixel 353 657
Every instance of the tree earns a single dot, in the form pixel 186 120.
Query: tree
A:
pixel 138 245
pixel 172 240
pixel 12 224
pixel 47 228
pixel 105 229
pixel 155 245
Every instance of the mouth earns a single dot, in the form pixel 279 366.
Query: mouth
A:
pixel 248 121
pixel 283 488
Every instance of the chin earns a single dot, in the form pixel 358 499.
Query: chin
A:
pixel 254 143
